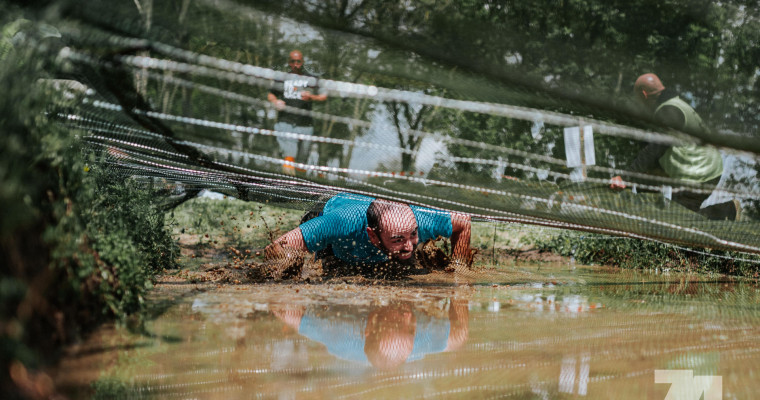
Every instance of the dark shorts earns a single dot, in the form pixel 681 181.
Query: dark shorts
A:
pixel 693 201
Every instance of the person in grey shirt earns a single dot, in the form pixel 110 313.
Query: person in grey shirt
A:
pixel 297 92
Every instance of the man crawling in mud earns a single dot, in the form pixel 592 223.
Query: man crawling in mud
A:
pixel 364 231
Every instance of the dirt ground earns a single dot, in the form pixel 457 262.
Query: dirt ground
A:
pixel 222 265
pixel 222 242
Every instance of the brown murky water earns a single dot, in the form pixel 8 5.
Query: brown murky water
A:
pixel 530 333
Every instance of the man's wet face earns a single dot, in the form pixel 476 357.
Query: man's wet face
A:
pixel 398 234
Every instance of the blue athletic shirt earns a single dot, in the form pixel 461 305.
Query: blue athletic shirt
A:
pixel 343 224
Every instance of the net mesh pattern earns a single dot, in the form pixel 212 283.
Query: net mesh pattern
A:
pixel 190 112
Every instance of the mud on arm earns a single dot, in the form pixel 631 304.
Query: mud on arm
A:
pixel 290 241
pixel 461 253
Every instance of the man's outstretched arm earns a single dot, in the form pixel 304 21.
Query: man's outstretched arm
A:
pixel 292 240
pixel 461 254
pixel 309 96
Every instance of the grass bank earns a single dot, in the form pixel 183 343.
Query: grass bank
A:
pixel 586 248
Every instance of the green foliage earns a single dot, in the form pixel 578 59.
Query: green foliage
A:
pixel 579 56
pixel 109 241
pixel 204 224
pixel 646 254
pixel 135 212
pixel 79 243
pixel 109 388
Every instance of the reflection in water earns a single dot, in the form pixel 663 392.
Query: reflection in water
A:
pixel 568 383
pixel 594 336
pixel 383 336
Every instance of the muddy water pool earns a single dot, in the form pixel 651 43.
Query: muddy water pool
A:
pixel 533 332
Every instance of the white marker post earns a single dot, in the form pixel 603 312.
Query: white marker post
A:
pixel 579 151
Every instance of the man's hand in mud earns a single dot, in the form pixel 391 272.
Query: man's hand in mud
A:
pixel 461 263
pixel 273 251
pixel 283 261
pixel 430 256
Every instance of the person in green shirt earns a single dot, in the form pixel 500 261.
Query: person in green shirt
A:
pixel 689 162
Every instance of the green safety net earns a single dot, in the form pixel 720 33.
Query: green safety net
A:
pixel 494 110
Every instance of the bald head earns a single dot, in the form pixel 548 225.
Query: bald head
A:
pixel 647 88
pixel 392 228
pixel 295 61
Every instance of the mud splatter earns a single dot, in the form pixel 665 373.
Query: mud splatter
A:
pixel 285 264
pixel 438 258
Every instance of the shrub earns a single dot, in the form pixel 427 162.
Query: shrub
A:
pixel 78 244
pixel 646 254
